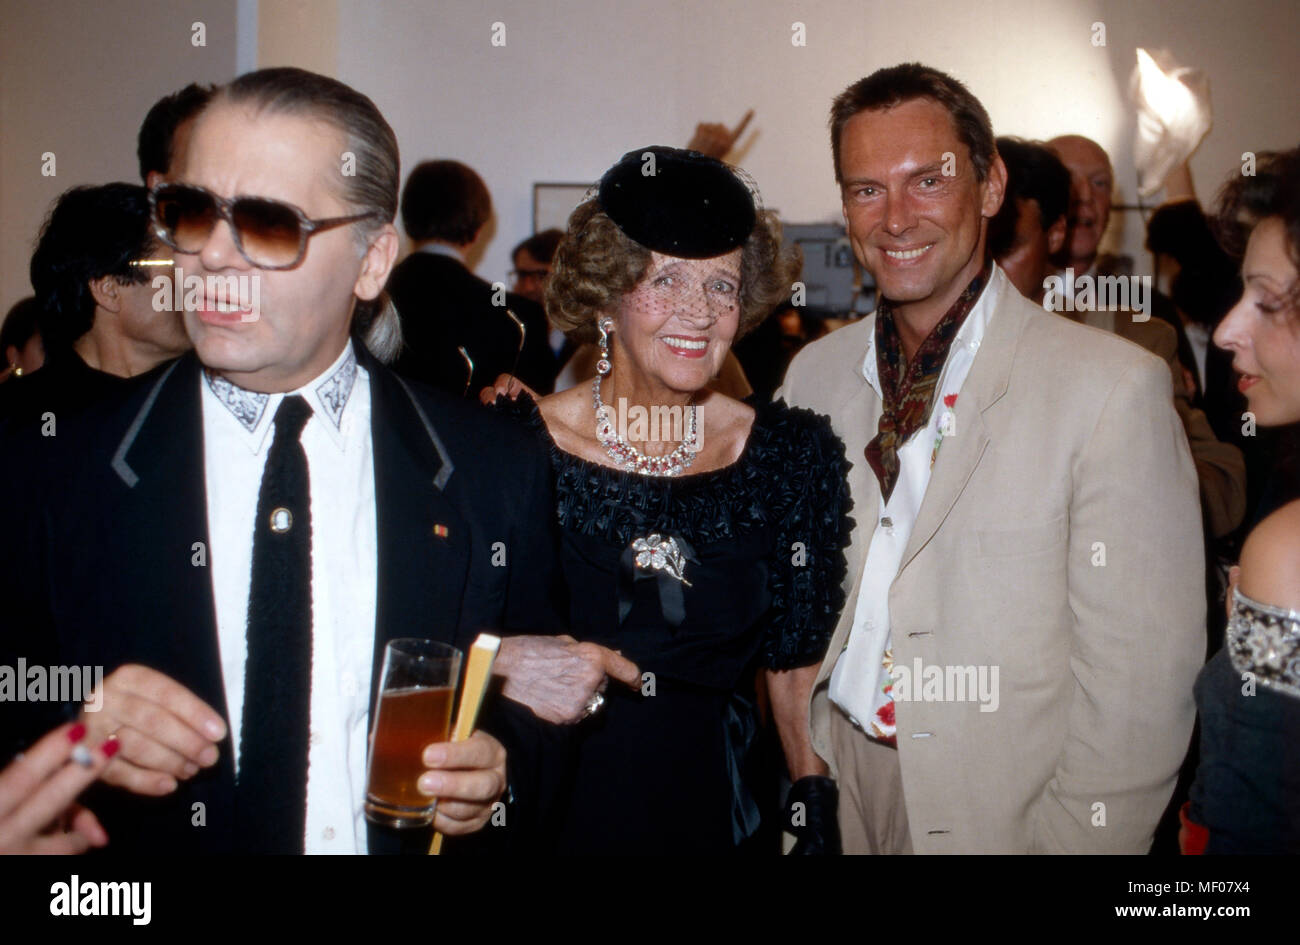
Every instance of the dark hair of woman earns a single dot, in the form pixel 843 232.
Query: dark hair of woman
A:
pixel 90 233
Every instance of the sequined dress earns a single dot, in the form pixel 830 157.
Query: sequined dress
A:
pixel 699 580
pixel 1247 787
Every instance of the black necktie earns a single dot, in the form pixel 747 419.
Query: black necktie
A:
pixel 271 793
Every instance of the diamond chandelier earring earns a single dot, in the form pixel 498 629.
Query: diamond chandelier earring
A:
pixel 626 456
pixel 606 325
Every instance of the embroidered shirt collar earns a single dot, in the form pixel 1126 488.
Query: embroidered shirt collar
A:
pixel 328 394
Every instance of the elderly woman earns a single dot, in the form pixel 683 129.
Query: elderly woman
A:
pixel 701 537
pixel 1246 797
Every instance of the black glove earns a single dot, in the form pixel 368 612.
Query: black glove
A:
pixel 811 815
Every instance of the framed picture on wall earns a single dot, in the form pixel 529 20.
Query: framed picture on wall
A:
pixel 552 204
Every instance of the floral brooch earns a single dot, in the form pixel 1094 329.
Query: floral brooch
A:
pixel 947 425
pixel 661 554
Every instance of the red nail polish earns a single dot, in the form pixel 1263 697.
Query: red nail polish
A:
pixel 110 747
pixel 76 733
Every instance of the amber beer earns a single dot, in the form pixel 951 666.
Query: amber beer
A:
pixel 414 711
pixel 409 720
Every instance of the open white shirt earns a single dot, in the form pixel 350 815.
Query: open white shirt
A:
pixel 237 433
pixel 858 680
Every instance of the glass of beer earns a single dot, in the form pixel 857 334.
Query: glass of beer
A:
pixel 417 694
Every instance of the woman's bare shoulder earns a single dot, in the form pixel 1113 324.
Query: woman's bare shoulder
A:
pixel 570 417
pixel 1270 559
pixel 735 414
pixel 566 406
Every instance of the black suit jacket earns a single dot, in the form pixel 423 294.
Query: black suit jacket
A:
pixel 108 565
pixel 64 383
pixel 442 306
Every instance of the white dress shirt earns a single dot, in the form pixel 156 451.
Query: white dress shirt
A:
pixel 441 249
pixel 1199 336
pixel 237 434
pixel 859 678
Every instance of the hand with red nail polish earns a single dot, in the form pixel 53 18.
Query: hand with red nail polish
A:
pixel 38 793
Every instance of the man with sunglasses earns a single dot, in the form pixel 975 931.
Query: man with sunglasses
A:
pixel 100 319
pixel 460 331
pixel 236 538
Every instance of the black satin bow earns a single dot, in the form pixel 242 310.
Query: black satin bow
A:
pixel 671 601
pixel 740 729
pixel 740 723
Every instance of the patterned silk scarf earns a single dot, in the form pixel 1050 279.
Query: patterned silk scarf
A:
pixel 908 388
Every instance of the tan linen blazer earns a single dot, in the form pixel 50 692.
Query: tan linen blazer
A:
pixel 1059 540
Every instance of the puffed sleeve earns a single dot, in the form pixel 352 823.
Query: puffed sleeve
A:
pixel 523 409
pixel 808 564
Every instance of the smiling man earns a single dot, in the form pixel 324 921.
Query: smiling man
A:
pixel 236 538
pixel 1006 525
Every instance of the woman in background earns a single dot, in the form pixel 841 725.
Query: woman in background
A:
pixel 1246 797
pixel 20 340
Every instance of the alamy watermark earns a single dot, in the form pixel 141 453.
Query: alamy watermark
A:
pixel 78 898
pixel 656 424
pixel 935 683
pixel 23 683
pixel 229 294
pixel 1068 293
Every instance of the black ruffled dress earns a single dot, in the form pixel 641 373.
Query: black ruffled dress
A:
pixel 750 573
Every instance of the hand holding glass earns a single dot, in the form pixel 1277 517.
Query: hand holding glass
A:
pixel 417 694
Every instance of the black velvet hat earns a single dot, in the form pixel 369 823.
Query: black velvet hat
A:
pixel 679 203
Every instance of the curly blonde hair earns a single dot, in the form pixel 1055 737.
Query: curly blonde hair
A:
pixel 597 264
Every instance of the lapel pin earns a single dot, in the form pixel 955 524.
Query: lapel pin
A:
pixel 440 531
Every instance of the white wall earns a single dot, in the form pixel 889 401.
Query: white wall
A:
pixel 579 82
pixel 76 78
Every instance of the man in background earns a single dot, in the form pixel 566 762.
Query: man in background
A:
pixel 532 262
pixel 1030 226
pixel 1030 229
pixel 1092 186
pixel 101 318
pixel 166 129
pixel 460 331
